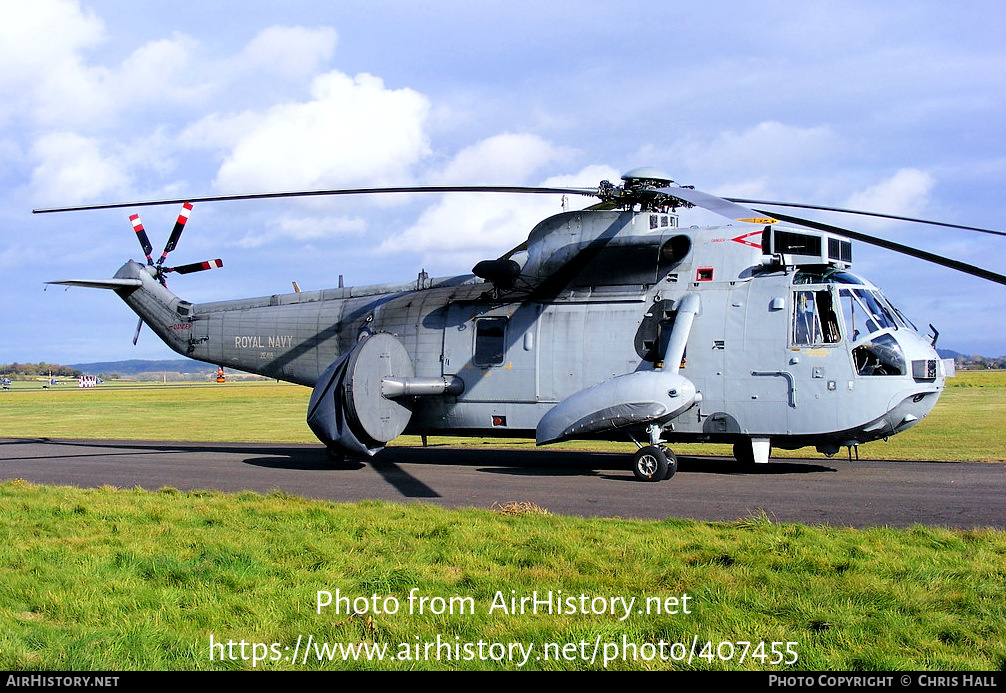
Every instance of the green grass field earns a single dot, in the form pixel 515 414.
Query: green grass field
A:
pixel 127 579
pixel 964 426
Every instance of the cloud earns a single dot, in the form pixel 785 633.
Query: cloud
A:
pixel 505 159
pixel 303 229
pixel 351 131
pixel 47 80
pixel 133 110
pixel 906 193
pixel 155 75
pixel 461 229
pixel 42 75
pixel 768 147
pixel 292 52
pixel 71 168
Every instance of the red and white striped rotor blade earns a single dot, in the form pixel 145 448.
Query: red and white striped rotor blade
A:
pixel 176 232
pixel 196 267
pixel 141 234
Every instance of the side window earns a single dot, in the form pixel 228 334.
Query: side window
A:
pixel 814 318
pixel 490 341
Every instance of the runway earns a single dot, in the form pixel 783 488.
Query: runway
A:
pixel 833 492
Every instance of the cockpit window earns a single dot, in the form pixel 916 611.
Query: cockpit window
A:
pixel 880 356
pixel 866 312
pixel 814 318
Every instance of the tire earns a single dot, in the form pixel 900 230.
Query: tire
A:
pixel 650 464
pixel 672 462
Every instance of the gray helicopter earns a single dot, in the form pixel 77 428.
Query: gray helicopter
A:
pixel 611 322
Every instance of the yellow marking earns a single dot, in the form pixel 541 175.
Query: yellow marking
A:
pixel 760 220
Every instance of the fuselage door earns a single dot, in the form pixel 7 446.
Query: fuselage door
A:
pixel 493 350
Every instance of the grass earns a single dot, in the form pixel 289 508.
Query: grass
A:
pixel 118 579
pixel 251 412
pixel 126 579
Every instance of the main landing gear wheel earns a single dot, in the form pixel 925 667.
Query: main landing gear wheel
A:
pixel 653 463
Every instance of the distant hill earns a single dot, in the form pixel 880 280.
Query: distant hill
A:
pixel 950 354
pixel 137 366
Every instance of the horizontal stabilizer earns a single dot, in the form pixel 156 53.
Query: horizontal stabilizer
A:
pixel 101 283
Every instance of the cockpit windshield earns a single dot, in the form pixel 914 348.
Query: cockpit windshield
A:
pixel 863 314
pixel 867 311
pixel 869 321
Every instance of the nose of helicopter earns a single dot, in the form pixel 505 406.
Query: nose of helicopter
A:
pixel 912 401
pixel 910 410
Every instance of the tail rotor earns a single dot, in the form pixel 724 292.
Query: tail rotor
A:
pixel 159 271
pixel 176 234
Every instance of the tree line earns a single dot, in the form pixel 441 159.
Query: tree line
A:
pixel 34 370
pixel 974 363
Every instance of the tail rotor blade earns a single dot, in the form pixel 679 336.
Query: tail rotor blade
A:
pixel 196 267
pixel 136 335
pixel 176 232
pixel 141 234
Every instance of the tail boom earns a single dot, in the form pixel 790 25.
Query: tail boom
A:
pixel 166 314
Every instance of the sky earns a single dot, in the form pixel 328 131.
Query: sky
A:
pixel 896 107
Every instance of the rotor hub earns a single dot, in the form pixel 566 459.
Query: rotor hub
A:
pixel 646 177
pixel 645 186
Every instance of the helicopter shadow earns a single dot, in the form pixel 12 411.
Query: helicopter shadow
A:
pixel 570 463
pixel 317 460
pixel 729 466
pixel 551 463
pixel 388 463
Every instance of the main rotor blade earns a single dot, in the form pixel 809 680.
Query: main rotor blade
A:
pixel 727 208
pixel 323 193
pixel 865 214
pixel 899 248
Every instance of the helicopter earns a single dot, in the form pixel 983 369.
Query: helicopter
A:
pixel 611 322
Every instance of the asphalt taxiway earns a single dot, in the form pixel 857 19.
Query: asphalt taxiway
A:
pixel 835 492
